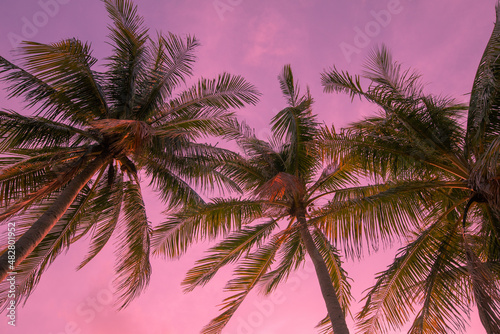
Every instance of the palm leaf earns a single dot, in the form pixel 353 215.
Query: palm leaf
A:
pixel 133 268
pixel 207 221
pixel 248 274
pixel 235 245
pixel 484 116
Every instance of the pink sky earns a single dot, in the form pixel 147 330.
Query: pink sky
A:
pixel 444 40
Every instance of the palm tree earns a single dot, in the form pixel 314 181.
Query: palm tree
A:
pixel 284 217
pixel 453 260
pixel 74 168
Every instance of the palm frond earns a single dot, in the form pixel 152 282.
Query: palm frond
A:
pixel 133 267
pixel 205 221
pixel 171 62
pixel 389 303
pixel 126 65
pixel 291 255
pixel 22 174
pixel 483 122
pixel 104 214
pixel 235 245
pixel 30 271
pixel 486 294
pixel 206 99
pixel 334 262
pixel 248 274
pixel 443 302
pixel 21 132
pixel 66 67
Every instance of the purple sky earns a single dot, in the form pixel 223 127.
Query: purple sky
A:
pixel 444 40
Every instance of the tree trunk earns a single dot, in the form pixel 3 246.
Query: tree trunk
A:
pixel 39 230
pixel 335 312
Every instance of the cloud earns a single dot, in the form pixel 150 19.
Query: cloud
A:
pixel 271 36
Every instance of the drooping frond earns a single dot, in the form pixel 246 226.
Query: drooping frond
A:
pixel 133 268
pixel 416 274
pixel 290 256
pixel 372 215
pixel 104 213
pixel 338 275
pixel 59 239
pixel 235 245
pixel 484 288
pixel 204 221
pixel 173 189
pixel 443 296
pixel 65 174
pixel 247 275
pixel 23 132
pixel 24 171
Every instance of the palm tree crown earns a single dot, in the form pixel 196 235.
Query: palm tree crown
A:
pixel 452 260
pixel 74 168
pixel 268 232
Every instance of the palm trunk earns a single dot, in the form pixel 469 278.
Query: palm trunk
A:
pixel 335 312
pixel 39 230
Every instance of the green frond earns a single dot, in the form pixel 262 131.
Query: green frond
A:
pixel 126 65
pixel 409 279
pixel 133 267
pixel 290 256
pixel 372 215
pixel 204 221
pixel 333 262
pixel 22 132
pixel 443 302
pixel 289 88
pixel 325 326
pixel 21 175
pixel 235 245
pixel 484 288
pixel 171 62
pixel 66 67
pixel 66 174
pixel 483 122
pixel 335 81
pixel 247 275
pixel 104 214
pixel 35 91
pixel 388 76
pixel 172 188
pixel 198 164
pixel 296 126
pixel 208 98
pixel 333 177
